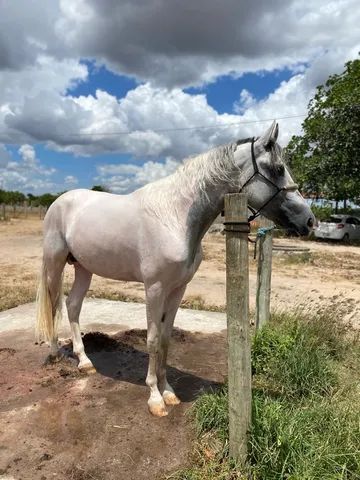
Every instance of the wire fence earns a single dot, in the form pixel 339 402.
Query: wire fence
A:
pixel 23 210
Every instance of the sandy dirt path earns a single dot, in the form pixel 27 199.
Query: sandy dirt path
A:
pixel 329 274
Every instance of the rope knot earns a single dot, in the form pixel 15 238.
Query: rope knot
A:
pixel 261 232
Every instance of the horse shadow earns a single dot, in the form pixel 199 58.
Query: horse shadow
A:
pixel 123 358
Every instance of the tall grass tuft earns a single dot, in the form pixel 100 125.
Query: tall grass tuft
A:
pixel 289 359
pixel 314 439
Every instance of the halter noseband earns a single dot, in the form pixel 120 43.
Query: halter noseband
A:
pixel 289 188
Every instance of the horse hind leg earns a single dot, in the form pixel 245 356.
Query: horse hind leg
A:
pixel 49 295
pixel 74 303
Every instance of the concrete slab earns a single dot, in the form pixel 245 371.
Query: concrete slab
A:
pixel 115 316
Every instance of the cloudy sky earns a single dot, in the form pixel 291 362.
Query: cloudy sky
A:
pixel 107 91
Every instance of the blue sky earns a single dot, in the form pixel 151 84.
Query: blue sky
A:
pixel 223 93
pixel 100 77
pixel 75 74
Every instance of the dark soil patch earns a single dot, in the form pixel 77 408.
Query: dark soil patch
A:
pixel 55 420
pixel 5 352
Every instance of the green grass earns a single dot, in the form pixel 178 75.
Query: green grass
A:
pixel 305 411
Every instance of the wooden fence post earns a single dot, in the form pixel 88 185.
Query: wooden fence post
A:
pixel 263 290
pixel 237 309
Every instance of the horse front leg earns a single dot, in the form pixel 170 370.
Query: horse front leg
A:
pixel 172 304
pixel 154 312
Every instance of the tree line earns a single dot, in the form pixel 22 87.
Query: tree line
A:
pixel 14 197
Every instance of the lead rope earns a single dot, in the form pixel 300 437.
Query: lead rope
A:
pixel 261 232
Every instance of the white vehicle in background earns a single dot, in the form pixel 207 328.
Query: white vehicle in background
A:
pixel 339 227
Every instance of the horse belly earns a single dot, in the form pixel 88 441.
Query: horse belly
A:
pixel 106 255
pixel 103 262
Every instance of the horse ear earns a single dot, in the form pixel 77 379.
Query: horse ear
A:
pixel 270 136
pixel 276 132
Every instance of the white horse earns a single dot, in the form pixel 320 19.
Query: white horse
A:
pixel 153 235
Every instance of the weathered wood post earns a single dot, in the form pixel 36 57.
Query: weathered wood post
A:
pixel 263 290
pixel 237 309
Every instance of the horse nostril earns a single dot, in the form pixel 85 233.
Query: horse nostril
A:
pixel 310 223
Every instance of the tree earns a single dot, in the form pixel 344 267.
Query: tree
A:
pixel 326 158
pixel 46 199
pixel 32 199
pixel 99 188
pixel 3 196
pixel 15 197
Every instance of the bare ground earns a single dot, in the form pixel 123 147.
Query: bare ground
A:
pixel 58 423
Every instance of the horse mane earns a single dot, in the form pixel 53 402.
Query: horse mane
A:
pixel 161 198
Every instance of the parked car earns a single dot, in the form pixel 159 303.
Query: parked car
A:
pixel 339 227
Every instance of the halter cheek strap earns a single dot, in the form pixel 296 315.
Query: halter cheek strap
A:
pixel 289 188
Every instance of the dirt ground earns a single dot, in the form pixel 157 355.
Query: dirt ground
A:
pixel 329 273
pixel 58 423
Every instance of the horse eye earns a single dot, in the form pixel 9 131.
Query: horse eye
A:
pixel 281 170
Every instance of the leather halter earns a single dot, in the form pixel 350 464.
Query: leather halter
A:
pixel 290 188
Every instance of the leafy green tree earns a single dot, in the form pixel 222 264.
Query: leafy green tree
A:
pixel 99 188
pixel 15 197
pixel 3 196
pixel 326 158
pixel 46 199
pixel 32 199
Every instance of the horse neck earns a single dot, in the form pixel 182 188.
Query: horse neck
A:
pixel 205 204
pixel 190 199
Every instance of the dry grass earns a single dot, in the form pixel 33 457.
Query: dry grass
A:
pixel 76 472
pixel 19 292
pixel 11 297
pixel 16 287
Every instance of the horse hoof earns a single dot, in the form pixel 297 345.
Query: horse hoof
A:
pixel 171 399
pixel 158 410
pixel 88 369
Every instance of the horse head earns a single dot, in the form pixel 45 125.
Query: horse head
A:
pixel 270 187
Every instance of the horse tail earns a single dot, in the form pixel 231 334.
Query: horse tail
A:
pixel 49 306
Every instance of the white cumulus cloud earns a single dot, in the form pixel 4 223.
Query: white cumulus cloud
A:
pixel 124 178
pixel 27 174
pixel 71 180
